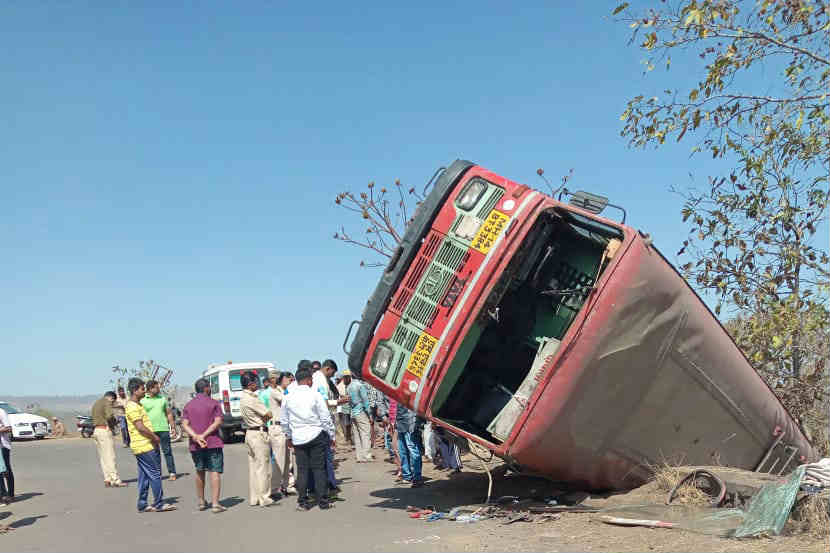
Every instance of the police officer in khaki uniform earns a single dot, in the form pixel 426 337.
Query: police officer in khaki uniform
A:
pixel 255 416
pixel 281 477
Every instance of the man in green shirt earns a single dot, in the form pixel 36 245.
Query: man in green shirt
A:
pixel 161 419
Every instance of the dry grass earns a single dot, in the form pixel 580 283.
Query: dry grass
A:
pixel 810 516
pixel 667 476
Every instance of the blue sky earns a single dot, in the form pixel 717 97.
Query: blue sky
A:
pixel 168 173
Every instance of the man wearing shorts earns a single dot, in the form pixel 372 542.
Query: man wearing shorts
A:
pixel 201 419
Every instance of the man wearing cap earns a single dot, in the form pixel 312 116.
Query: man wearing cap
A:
pixel 255 416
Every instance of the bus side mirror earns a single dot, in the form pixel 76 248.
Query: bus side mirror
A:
pixel 591 203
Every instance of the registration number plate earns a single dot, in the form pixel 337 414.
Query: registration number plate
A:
pixel 420 356
pixel 490 230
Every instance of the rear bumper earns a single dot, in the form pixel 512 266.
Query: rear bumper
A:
pixel 229 421
pixel 408 248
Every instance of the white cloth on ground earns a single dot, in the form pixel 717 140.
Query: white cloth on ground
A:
pixel 818 474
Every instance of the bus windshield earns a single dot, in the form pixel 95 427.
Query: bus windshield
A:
pixel 526 315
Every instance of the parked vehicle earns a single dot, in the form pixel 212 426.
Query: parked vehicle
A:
pixel 225 387
pixel 85 425
pixel 561 340
pixel 26 425
pixel 176 431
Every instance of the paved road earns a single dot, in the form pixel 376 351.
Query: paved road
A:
pixel 63 506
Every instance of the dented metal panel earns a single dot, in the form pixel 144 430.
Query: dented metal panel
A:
pixel 644 374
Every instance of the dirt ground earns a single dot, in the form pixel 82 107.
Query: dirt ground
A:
pixel 70 468
pixel 579 531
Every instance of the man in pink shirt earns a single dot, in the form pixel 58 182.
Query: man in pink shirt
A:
pixel 201 419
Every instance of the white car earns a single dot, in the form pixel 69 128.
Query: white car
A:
pixel 26 425
pixel 225 387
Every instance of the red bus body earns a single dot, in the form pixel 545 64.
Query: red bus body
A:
pixel 642 374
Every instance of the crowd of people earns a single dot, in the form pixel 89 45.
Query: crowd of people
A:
pixel 292 424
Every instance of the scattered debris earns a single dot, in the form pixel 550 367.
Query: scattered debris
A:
pixel 636 522
pixel 563 509
pixel 766 514
pixel 517 517
pixel 548 517
pixel 417 540
pixel 770 508
pixel 704 481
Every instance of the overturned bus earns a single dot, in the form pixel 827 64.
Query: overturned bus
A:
pixel 561 341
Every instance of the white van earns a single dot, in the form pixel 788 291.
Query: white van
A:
pixel 225 387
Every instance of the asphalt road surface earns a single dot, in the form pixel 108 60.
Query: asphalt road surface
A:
pixel 63 505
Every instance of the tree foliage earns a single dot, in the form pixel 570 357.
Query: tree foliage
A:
pixel 760 105
pixel 767 339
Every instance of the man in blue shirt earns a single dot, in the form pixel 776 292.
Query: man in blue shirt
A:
pixel 359 403
pixel 409 447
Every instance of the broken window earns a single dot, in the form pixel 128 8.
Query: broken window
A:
pixel 527 314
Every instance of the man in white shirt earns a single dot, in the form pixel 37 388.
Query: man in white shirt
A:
pixel 307 424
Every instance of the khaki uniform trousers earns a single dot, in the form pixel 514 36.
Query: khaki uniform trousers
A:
pixel 259 467
pixel 281 477
pixel 106 454
pixel 360 434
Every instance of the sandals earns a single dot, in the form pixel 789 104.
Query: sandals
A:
pixel 202 506
pixel 218 509
pixel 163 509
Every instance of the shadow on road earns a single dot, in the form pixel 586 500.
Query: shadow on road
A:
pixel 5 514
pixel 28 521
pixel 25 496
pixel 465 488
pixel 172 500
pixel 229 502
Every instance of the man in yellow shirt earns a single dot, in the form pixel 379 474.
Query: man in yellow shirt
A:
pixel 145 446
